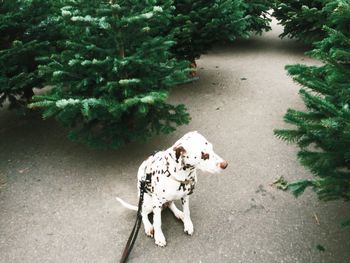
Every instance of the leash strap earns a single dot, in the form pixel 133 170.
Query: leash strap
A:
pixel 133 235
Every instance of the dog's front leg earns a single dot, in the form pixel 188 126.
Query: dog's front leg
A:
pixel 147 207
pixel 157 224
pixel 178 214
pixel 188 225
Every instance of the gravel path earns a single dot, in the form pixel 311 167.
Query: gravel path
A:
pixel 57 199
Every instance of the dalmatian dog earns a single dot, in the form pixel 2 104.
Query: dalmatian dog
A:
pixel 173 177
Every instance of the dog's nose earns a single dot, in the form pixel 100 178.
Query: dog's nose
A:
pixel 223 165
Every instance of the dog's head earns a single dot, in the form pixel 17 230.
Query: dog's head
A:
pixel 193 150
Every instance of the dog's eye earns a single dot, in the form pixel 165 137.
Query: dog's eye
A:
pixel 205 156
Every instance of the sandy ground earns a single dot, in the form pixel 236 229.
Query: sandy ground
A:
pixel 57 199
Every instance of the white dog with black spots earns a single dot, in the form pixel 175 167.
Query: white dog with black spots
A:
pixel 174 177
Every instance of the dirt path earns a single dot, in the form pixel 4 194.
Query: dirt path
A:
pixel 57 199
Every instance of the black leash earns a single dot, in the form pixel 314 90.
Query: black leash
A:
pixel 136 228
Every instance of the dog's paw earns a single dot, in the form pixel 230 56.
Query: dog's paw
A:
pixel 149 231
pixel 188 228
pixel 160 240
pixel 160 243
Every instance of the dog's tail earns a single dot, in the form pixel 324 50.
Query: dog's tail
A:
pixel 127 205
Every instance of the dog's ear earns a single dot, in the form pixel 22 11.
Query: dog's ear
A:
pixel 179 150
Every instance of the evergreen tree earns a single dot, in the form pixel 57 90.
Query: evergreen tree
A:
pixel 26 33
pixel 323 130
pixel 198 25
pixel 257 15
pixel 304 19
pixel 111 80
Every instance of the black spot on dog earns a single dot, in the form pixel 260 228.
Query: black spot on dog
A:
pixel 205 156
pixel 163 190
pixel 186 166
pixel 191 189
pixel 183 186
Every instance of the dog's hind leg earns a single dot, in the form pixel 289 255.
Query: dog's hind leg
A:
pixel 177 212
